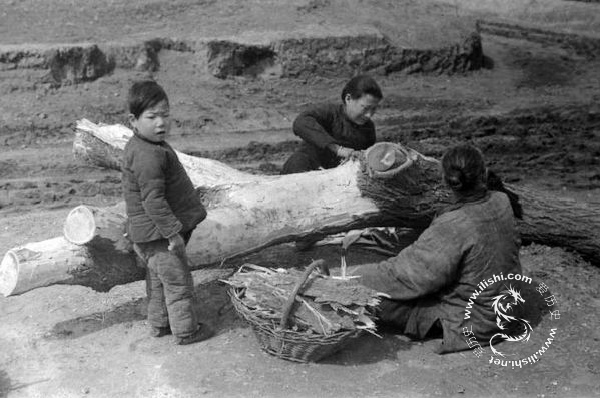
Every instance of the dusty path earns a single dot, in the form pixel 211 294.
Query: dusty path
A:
pixel 535 114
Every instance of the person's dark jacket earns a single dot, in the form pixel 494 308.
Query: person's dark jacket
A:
pixel 460 249
pixel 159 196
pixel 328 124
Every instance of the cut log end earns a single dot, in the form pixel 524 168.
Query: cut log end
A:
pixel 382 156
pixel 80 225
pixel 41 264
pixel 9 273
pixel 405 186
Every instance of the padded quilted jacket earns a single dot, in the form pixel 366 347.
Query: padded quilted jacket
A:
pixel 461 248
pixel 159 196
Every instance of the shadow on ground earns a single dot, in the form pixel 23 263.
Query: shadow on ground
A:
pixel 214 307
pixel 369 349
pixel 134 310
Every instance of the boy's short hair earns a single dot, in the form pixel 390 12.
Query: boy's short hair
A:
pixel 361 85
pixel 143 95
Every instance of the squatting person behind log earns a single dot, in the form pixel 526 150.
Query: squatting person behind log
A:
pixel 162 210
pixel 430 281
pixel 332 132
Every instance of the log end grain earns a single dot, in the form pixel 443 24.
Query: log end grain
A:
pixel 80 225
pixel 9 273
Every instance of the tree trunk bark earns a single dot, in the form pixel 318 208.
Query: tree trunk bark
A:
pixel 565 223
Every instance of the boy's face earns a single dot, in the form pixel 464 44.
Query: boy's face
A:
pixel 154 123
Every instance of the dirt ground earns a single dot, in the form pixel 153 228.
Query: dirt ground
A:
pixel 534 111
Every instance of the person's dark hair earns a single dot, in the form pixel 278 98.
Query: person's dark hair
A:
pixel 465 173
pixel 361 85
pixel 143 95
pixel 464 169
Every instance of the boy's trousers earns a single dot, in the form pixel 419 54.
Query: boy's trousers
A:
pixel 170 288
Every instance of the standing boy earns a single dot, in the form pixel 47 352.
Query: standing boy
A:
pixel 162 211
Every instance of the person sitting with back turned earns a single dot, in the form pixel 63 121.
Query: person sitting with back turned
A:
pixel 429 283
pixel 332 132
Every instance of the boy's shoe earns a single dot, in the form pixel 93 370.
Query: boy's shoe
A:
pixel 159 331
pixel 202 333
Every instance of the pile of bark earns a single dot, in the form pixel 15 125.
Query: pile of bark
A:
pixel 323 304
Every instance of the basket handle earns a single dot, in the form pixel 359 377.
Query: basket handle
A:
pixel 287 308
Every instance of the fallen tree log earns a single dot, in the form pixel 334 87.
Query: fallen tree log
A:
pixel 57 260
pixel 102 145
pixel 248 212
pixel 548 219
pixel 316 203
pixel 554 221
pixel 253 212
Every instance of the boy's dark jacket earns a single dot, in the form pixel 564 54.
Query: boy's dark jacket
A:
pixel 159 196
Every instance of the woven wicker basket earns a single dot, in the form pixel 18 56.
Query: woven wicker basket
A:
pixel 286 343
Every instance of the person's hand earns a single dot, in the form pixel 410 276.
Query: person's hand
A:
pixel 177 245
pixel 344 152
